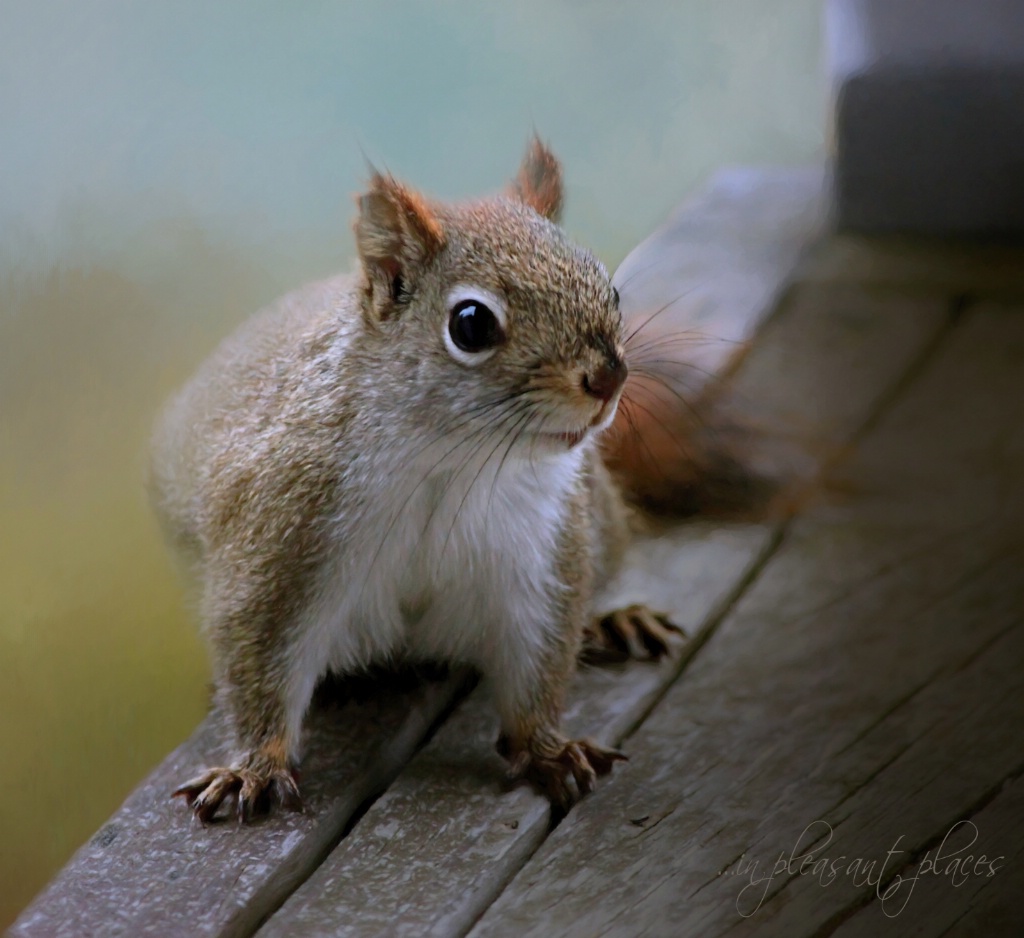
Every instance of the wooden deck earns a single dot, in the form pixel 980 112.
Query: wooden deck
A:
pixel 836 750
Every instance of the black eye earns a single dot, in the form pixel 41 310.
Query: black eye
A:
pixel 473 327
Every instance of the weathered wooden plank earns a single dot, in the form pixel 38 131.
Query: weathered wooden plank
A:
pixel 430 855
pixel 953 451
pixel 945 894
pixel 153 870
pixel 868 680
pixel 949 462
pixel 820 367
pixel 925 767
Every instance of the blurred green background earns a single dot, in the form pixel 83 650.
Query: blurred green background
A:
pixel 168 167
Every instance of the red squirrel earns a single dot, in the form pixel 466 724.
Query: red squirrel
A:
pixel 403 464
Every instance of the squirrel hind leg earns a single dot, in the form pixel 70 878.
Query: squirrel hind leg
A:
pixel 255 781
pixel 634 631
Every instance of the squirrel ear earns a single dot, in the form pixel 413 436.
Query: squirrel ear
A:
pixel 396 234
pixel 539 181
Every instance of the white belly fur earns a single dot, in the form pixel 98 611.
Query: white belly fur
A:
pixel 463 571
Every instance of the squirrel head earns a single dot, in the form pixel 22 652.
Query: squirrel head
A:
pixel 488 314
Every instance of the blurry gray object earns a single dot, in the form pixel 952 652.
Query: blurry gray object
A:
pixel 928 115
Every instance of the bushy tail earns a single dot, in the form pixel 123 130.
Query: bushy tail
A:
pixel 681 453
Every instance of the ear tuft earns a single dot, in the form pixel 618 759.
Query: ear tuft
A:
pixel 396 232
pixel 539 181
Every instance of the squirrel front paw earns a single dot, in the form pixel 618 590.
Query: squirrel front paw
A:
pixel 563 769
pixel 254 783
pixel 634 631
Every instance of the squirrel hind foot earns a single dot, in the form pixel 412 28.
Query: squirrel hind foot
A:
pixel 634 631
pixel 253 792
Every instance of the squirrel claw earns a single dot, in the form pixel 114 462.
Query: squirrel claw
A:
pixel 580 761
pixel 634 631
pixel 253 792
pixel 205 793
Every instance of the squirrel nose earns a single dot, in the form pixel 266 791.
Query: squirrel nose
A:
pixel 605 380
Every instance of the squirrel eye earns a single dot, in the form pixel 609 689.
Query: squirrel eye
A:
pixel 473 327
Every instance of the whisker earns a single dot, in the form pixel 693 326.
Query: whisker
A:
pixel 478 439
pixel 474 412
pixel 501 464
pixel 675 440
pixel 661 259
pixel 644 381
pixel 640 449
pixel 657 313
pixel 524 417
pixel 674 369
pixel 683 339
pixel 492 431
